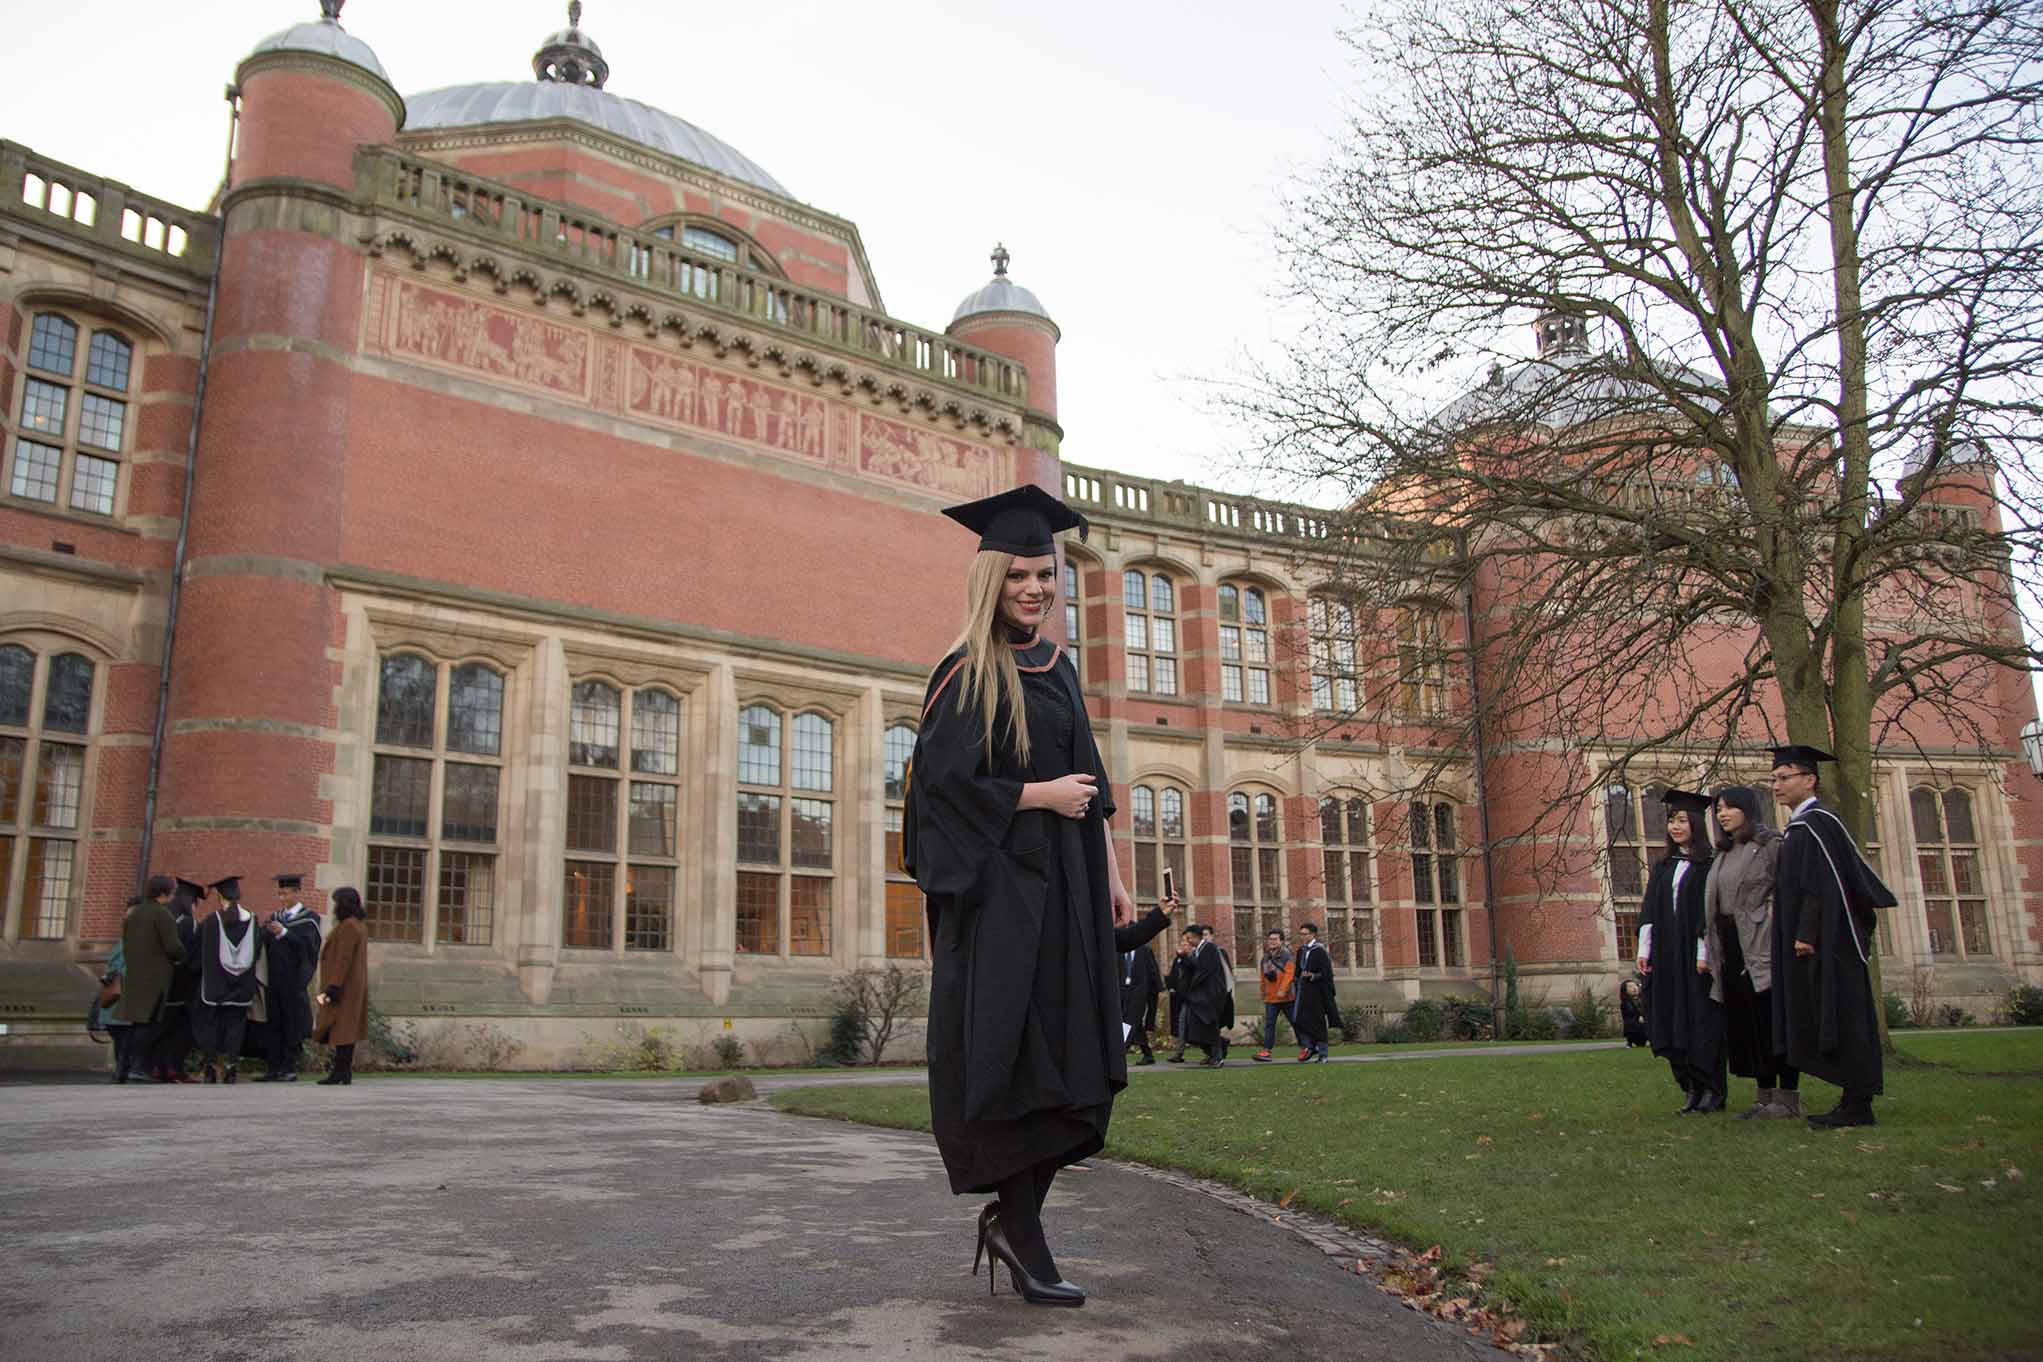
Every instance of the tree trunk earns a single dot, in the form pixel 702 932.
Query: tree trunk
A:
pixel 1851 707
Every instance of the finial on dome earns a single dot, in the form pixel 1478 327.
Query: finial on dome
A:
pixel 330 10
pixel 1000 259
pixel 570 57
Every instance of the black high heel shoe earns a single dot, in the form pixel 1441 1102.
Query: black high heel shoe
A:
pixel 986 1214
pixel 1031 1290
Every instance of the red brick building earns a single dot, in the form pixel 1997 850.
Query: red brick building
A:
pixel 513 501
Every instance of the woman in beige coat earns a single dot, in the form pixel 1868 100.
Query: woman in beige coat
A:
pixel 1738 936
pixel 344 986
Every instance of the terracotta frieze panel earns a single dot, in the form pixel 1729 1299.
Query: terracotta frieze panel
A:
pixel 566 360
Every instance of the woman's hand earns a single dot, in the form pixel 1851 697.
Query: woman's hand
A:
pixel 321 1000
pixel 1701 968
pixel 1804 948
pixel 1124 906
pixel 1645 965
pixel 1067 796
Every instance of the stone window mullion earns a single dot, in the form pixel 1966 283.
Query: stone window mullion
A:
pixel 71 461
pixel 46 777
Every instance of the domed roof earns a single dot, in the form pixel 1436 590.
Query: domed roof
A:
pixel 519 101
pixel 328 38
pixel 1000 294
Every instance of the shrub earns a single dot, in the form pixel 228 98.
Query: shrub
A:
pixel 847 1034
pixel 1537 1023
pixel 1899 1018
pixel 385 1046
pixel 2023 1006
pixel 1424 1019
pixel 1950 1014
pixel 1356 1028
pixel 1512 1011
pixel 730 1088
pixel 1469 1019
pixel 729 1052
pixel 870 1004
pixel 1392 1033
pixel 639 1048
pixel 1591 1015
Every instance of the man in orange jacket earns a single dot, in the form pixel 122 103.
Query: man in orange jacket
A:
pixel 1279 974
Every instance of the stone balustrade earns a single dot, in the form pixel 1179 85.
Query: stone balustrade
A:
pixel 35 190
pixel 395 183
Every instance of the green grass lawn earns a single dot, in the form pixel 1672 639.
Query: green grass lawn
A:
pixel 1612 1223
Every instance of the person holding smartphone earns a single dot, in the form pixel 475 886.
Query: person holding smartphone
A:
pixel 1005 830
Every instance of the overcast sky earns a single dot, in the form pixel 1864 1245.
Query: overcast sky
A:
pixel 1130 153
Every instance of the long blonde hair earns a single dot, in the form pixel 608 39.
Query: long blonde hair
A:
pixel 990 675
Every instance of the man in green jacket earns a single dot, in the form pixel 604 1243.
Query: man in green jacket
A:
pixel 149 941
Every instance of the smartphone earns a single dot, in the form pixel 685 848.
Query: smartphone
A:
pixel 1170 885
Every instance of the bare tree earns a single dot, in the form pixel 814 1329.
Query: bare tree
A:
pixel 1771 475
pixel 880 998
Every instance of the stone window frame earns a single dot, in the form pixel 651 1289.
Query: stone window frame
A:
pixel 1248 650
pixel 79 389
pixel 1150 798
pixel 1940 855
pixel 434 853
pixel 1420 634
pixel 1630 851
pixel 1153 663
pixel 1071 578
pixel 1335 690
pixel 629 924
pixel 1439 889
pixel 783 870
pixel 1255 844
pixel 1350 930
pixel 904 912
pixel 25 785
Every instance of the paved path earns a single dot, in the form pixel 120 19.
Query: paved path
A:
pixel 600 1222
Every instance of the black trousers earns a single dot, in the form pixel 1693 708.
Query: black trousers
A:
pixel 219 1031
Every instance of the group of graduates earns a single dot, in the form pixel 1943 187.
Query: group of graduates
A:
pixel 1296 986
pixel 1755 950
pixel 231 985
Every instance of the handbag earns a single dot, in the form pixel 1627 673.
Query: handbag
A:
pixel 109 990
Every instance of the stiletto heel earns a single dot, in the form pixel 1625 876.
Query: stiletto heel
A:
pixel 1031 1290
pixel 986 1214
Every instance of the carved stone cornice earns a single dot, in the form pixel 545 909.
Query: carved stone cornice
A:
pixel 667 319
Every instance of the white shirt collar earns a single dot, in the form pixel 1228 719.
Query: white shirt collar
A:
pixel 1804 807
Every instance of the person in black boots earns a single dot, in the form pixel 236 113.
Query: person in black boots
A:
pixel 344 986
pixel 1685 1027
pixel 1005 829
pixel 1178 980
pixel 1738 931
pixel 1826 1018
pixel 174 1044
pixel 1316 1010
pixel 151 955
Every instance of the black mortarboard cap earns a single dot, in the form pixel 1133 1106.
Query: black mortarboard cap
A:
pixel 290 881
pixel 1800 754
pixel 228 888
pixel 190 889
pixel 1687 801
pixel 1023 521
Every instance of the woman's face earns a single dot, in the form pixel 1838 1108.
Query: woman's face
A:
pixel 1028 593
pixel 1730 819
pixel 1678 827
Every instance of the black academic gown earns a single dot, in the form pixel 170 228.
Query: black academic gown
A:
pixel 294 959
pixel 1683 1025
pixel 1314 1011
pixel 1825 1018
pixel 1141 980
pixel 220 1004
pixel 1025 1051
pixel 1209 1002
pixel 1178 979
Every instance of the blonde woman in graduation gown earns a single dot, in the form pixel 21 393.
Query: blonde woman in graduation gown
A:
pixel 1006 834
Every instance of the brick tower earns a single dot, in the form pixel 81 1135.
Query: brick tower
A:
pixel 1009 320
pixel 246 786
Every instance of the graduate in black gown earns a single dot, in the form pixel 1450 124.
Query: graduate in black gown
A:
pixel 174 1045
pixel 292 949
pixel 1314 1011
pixel 226 944
pixel 1006 832
pixel 1177 980
pixel 1825 1015
pixel 1683 1024
pixel 1209 999
pixel 1141 981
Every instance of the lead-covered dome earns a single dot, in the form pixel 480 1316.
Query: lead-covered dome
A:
pixel 1000 294
pixel 522 101
pixel 326 37
pixel 569 71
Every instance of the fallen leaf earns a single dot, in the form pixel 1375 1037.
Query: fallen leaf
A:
pixel 1678 1340
pixel 1284 1202
pixel 1816 1196
pixel 1344 1203
pixel 1511 1330
pixel 2011 1174
pixel 1949 1188
pixel 1485 1141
